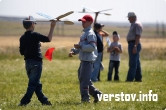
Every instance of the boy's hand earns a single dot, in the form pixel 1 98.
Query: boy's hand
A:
pixel 116 48
pixel 71 54
pixel 53 23
pixel 52 26
pixel 77 46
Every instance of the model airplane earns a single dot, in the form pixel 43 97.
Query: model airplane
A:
pixel 56 19
pixel 86 10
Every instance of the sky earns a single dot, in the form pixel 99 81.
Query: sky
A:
pixel 149 11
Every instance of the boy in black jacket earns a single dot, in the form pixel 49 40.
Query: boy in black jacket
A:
pixel 30 48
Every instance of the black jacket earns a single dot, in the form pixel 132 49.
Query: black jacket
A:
pixel 30 45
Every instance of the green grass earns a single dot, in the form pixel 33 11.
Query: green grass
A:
pixel 60 84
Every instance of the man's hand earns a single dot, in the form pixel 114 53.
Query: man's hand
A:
pixel 134 50
pixel 77 46
pixel 137 41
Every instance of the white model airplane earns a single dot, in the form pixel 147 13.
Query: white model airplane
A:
pixel 86 10
pixel 57 18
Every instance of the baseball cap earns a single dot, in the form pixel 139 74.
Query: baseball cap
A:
pixel 27 22
pixel 30 19
pixel 98 25
pixel 131 14
pixel 86 18
pixel 116 34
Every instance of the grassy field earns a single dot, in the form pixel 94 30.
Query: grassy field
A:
pixel 60 84
pixel 60 81
pixel 59 78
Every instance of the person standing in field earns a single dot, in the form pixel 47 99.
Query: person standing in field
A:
pixel 134 48
pixel 115 49
pixel 87 51
pixel 30 49
pixel 98 62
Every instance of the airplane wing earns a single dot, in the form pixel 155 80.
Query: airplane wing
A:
pixel 106 14
pixel 68 22
pixel 45 16
pixel 89 9
pixel 64 15
pixel 51 18
pixel 105 10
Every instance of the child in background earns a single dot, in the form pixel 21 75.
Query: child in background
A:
pixel 115 49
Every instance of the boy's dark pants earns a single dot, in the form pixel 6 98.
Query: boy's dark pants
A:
pixel 86 86
pixel 112 65
pixel 34 70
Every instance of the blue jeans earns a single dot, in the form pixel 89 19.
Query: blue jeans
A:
pixel 134 71
pixel 34 70
pixel 96 69
pixel 112 65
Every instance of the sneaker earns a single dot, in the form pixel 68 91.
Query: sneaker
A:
pixel 21 104
pixel 47 103
pixel 138 80
pixel 95 97
pixel 83 101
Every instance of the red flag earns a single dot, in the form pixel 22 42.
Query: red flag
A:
pixel 48 53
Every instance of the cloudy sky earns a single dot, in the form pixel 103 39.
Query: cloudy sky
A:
pixel 146 10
